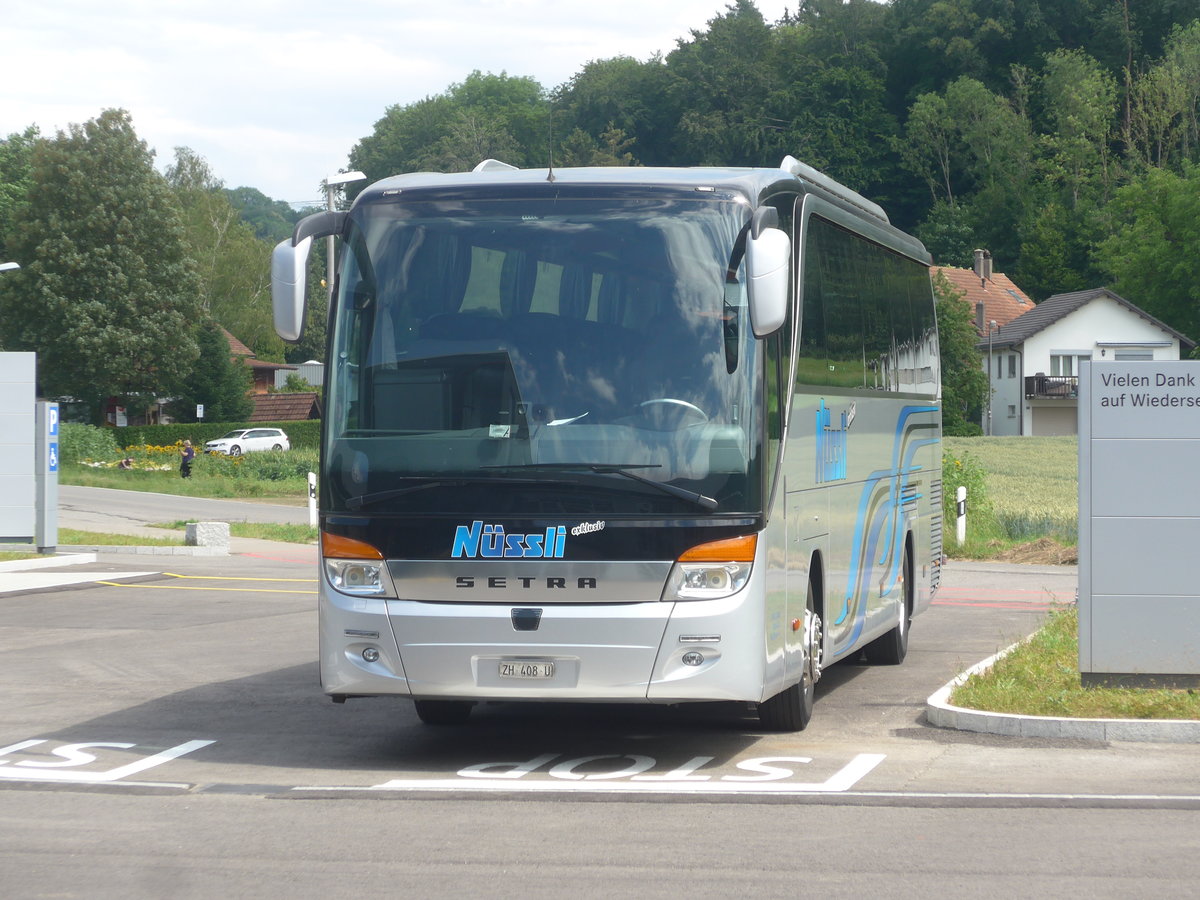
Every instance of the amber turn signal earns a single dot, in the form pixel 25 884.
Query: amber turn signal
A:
pixel 739 549
pixel 347 548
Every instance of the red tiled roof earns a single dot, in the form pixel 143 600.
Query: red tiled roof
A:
pixel 1002 300
pixel 286 407
pixel 236 347
pixel 263 364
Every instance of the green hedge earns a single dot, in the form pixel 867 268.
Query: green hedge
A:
pixel 304 434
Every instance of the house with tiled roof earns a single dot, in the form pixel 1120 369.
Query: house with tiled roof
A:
pixel 1033 360
pixel 263 371
pixel 289 407
pixel 992 298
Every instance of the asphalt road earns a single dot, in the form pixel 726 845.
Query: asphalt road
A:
pixel 164 734
pixel 125 512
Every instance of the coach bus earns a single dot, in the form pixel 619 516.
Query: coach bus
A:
pixel 645 435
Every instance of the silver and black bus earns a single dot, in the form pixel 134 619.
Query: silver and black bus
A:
pixel 620 434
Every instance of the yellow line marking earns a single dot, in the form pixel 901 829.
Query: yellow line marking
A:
pixel 181 587
pixel 237 578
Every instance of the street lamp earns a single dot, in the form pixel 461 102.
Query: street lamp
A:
pixel 332 183
pixel 991 331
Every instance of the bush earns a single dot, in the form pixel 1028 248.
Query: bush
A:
pixel 301 434
pixel 80 442
pixel 962 429
pixel 266 466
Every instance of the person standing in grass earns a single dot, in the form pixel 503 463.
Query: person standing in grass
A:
pixel 187 454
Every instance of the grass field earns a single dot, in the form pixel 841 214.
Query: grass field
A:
pixel 1019 489
pixel 203 483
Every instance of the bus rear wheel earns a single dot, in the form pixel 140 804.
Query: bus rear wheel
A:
pixel 891 649
pixel 443 712
pixel 792 708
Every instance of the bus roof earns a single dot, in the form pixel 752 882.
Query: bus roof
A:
pixel 751 183
pixel 754 184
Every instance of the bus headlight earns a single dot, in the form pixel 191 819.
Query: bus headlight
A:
pixel 712 571
pixel 355 567
pixel 706 581
pixel 356 576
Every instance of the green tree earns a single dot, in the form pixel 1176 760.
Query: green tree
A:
pixel 1163 123
pixel 720 81
pixel 1079 107
pixel 272 220
pixel 581 149
pixel 107 295
pixel 1055 253
pixel 218 382
pixel 964 382
pixel 930 148
pixel 828 95
pixel 949 234
pixel 234 265
pixel 16 155
pixel 486 115
pixel 622 94
pixel 1152 254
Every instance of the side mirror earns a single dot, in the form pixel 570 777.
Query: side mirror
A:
pixel 289 268
pixel 768 259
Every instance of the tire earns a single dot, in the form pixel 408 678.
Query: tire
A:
pixel 235 450
pixel 443 712
pixel 277 447
pixel 891 649
pixel 792 708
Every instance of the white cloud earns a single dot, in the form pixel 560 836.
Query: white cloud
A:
pixel 275 94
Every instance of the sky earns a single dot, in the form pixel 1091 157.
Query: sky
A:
pixel 275 93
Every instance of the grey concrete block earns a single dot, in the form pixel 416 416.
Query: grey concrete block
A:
pixel 207 534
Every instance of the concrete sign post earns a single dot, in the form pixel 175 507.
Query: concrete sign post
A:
pixel 1139 523
pixel 46 481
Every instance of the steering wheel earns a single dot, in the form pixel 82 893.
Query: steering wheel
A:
pixel 667 413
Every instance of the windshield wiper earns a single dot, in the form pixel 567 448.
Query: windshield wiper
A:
pixel 622 469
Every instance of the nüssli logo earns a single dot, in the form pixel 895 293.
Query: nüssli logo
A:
pixel 480 541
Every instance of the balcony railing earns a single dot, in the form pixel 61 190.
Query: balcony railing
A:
pixel 1052 387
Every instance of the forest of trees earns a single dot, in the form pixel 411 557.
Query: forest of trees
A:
pixel 1062 135
pixel 128 274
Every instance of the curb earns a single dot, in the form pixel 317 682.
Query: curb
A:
pixel 147 550
pixel 69 558
pixel 941 714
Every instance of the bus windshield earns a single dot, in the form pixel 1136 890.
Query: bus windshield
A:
pixel 528 354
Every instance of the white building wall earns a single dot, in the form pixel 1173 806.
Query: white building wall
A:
pixel 1007 391
pixel 1089 331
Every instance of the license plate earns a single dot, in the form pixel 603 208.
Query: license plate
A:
pixel 524 668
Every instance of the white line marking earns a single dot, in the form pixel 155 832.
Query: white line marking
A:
pixel 840 781
pixel 132 768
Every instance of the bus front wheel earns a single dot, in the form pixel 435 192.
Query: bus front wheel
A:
pixel 792 708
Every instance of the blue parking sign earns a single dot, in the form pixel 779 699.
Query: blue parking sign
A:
pixel 52 419
pixel 52 456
